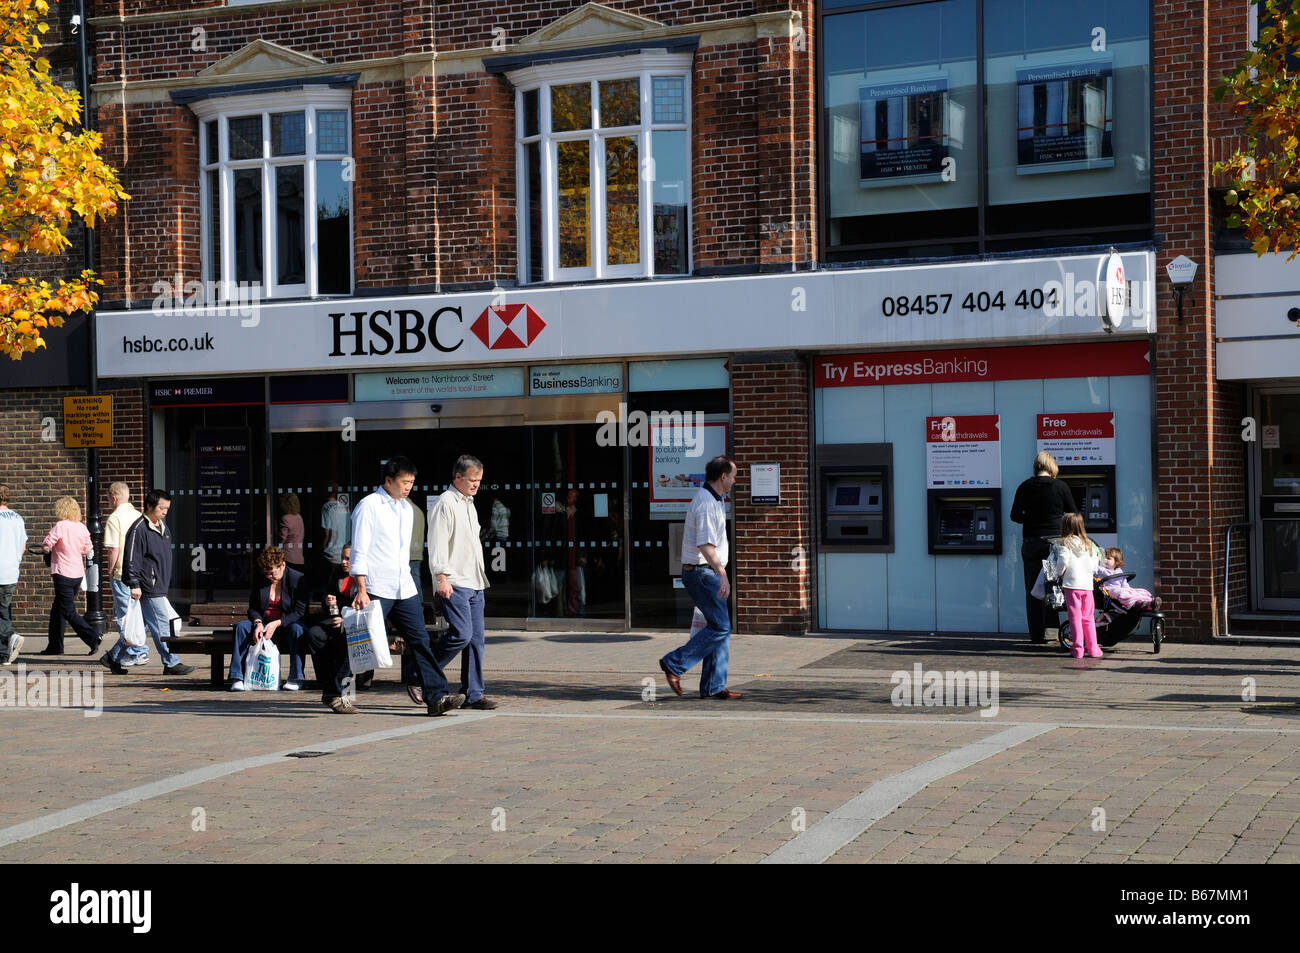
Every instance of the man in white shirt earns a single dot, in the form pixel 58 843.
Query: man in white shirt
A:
pixel 381 567
pixel 456 562
pixel 336 521
pixel 121 520
pixel 13 540
pixel 704 574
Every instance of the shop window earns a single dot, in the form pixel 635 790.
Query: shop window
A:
pixel 603 164
pixel 936 144
pixel 1258 20
pixel 276 194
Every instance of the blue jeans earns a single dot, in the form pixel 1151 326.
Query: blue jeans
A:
pixel 6 619
pixel 158 621
pixel 464 637
pixel 405 617
pixel 288 638
pixel 712 644
pixel 122 602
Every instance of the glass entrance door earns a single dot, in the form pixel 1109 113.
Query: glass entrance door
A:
pixel 1277 536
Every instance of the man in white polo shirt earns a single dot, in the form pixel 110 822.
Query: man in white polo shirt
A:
pixel 704 574
pixel 381 566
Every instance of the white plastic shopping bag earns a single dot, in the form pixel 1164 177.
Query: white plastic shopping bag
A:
pixel 367 640
pixel 133 630
pixel 698 622
pixel 262 667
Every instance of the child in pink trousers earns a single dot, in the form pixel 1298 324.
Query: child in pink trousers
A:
pixel 1074 560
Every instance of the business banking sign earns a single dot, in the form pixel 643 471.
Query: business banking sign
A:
pixel 1034 300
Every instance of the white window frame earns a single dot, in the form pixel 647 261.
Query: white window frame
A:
pixel 643 67
pixel 223 109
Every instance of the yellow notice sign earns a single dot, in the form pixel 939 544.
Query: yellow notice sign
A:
pixel 88 421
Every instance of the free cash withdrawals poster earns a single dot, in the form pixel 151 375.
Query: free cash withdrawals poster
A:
pixel 963 451
pixel 1064 117
pixel 903 131
pixel 1078 439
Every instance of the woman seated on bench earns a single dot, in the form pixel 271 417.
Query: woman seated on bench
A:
pixel 275 611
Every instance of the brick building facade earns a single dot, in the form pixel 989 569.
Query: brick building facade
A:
pixel 769 246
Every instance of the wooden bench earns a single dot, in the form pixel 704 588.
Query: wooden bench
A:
pixel 215 644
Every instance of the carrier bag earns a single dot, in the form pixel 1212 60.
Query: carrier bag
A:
pixel 262 667
pixel 1054 596
pixel 367 640
pixel 698 622
pixel 133 630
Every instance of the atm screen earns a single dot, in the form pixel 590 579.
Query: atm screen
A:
pixel 848 495
pixel 956 523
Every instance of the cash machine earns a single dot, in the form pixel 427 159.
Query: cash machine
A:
pixel 1094 495
pixel 855 497
pixel 965 521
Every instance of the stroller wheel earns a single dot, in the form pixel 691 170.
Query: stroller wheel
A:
pixel 1064 637
pixel 1157 634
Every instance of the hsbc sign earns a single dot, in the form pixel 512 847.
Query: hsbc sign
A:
pixel 407 331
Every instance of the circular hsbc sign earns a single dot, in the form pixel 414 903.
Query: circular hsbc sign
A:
pixel 1116 293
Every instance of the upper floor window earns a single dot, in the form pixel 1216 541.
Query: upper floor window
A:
pixel 603 168
pixel 276 193
pixel 958 127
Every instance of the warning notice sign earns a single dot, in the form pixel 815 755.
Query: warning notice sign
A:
pixel 88 421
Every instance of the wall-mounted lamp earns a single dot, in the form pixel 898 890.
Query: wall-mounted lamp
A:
pixel 1182 272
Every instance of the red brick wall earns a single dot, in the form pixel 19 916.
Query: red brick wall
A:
pixel 38 472
pixel 1201 474
pixel 772 424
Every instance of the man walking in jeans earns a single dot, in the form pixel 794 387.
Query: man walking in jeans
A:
pixel 147 572
pixel 704 574
pixel 123 517
pixel 381 566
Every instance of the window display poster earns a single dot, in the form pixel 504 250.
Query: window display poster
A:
pixel 677 463
pixel 221 470
pixel 1078 438
pixel 903 133
pixel 1064 117
pixel 963 451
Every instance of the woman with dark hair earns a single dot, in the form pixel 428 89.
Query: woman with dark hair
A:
pixel 326 639
pixel 275 611
pixel 67 542
pixel 1039 504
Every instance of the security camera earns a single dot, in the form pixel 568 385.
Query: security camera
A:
pixel 1293 315
pixel 436 408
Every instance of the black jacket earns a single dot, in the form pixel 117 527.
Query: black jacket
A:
pixel 294 596
pixel 147 559
pixel 1040 503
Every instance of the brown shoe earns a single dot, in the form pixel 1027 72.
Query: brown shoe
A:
pixel 416 692
pixel 446 703
pixel 674 681
pixel 725 695
pixel 341 706
pixel 483 704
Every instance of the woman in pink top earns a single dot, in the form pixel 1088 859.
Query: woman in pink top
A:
pixel 292 531
pixel 67 542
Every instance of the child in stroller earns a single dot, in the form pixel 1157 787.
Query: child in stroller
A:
pixel 1120 607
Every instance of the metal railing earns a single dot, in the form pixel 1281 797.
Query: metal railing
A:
pixel 1224 633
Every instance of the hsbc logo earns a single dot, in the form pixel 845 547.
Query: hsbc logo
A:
pixel 408 331
pixel 507 326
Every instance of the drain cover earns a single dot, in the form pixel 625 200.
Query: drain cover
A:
pixel 307 754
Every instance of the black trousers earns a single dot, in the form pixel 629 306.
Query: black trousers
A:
pixel 329 657
pixel 1038 617
pixel 64 610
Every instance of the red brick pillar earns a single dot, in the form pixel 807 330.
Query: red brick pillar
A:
pixel 772 423
pixel 1199 453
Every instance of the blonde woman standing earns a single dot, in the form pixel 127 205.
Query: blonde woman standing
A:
pixel 67 542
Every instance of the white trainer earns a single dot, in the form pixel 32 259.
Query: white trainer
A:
pixel 291 686
pixel 15 645
pixel 238 687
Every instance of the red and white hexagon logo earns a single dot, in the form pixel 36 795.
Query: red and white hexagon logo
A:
pixel 507 326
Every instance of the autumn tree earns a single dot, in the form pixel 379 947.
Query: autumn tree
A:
pixel 50 170
pixel 1265 92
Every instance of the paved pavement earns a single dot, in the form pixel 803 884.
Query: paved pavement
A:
pixel 1136 757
